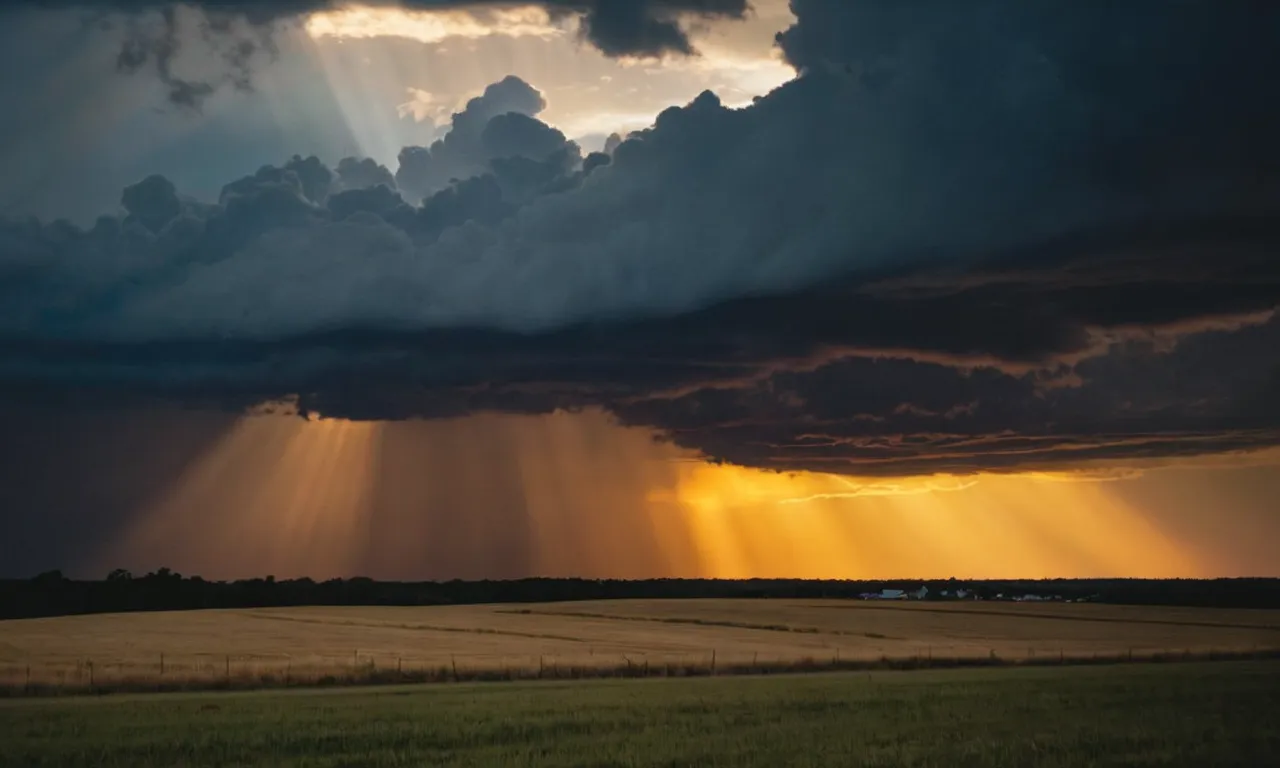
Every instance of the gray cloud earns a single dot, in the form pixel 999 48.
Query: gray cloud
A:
pixel 471 144
pixel 1142 95
pixel 947 246
pixel 362 173
pixel 1070 358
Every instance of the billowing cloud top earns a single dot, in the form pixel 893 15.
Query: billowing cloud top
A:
pixel 991 235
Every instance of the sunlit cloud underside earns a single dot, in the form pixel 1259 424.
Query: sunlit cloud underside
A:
pixel 576 495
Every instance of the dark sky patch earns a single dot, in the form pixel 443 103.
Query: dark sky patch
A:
pixel 71 478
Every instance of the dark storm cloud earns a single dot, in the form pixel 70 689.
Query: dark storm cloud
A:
pixel 897 415
pixel 956 244
pixel 991 374
pixel 240 32
pixel 1154 89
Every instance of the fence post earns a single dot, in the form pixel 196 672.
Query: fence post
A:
pixel 227 661
pixel 713 661
pixel 162 665
pixel 541 665
pixel 399 665
pixel 90 665
pixel 28 685
pixel 355 658
pixel 454 662
pixel 288 669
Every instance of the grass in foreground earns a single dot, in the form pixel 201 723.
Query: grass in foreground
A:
pixel 1222 714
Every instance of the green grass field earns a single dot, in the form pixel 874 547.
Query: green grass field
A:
pixel 1212 714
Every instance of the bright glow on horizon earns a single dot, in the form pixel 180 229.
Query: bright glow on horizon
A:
pixel 752 523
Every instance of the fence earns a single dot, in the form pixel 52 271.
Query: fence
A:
pixel 239 672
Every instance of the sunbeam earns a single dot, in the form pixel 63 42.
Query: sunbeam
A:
pixel 274 492
pixel 502 496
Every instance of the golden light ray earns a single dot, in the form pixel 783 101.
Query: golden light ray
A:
pixel 575 494
pixel 356 82
pixel 750 522
pixel 555 530
pixel 585 479
pixel 588 93
pixel 502 496
pixel 275 495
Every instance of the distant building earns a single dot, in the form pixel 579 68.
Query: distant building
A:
pixel 961 593
pixel 921 593
pixel 892 594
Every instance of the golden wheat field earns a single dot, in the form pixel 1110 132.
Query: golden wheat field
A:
pixel 307 643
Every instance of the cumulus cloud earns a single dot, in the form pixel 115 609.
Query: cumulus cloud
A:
pixel 153 202
pixel 362 173
pixel 940 248
pixel 470 144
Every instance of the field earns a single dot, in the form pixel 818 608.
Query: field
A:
pixel 299 645
pixel 1221 713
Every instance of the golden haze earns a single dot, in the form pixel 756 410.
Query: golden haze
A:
pixel 501 496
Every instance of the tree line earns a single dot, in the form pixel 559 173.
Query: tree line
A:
pixel 53 594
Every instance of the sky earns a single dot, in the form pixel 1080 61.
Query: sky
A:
pixel 730 288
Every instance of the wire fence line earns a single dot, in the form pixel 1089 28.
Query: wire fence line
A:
pixel 205 671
